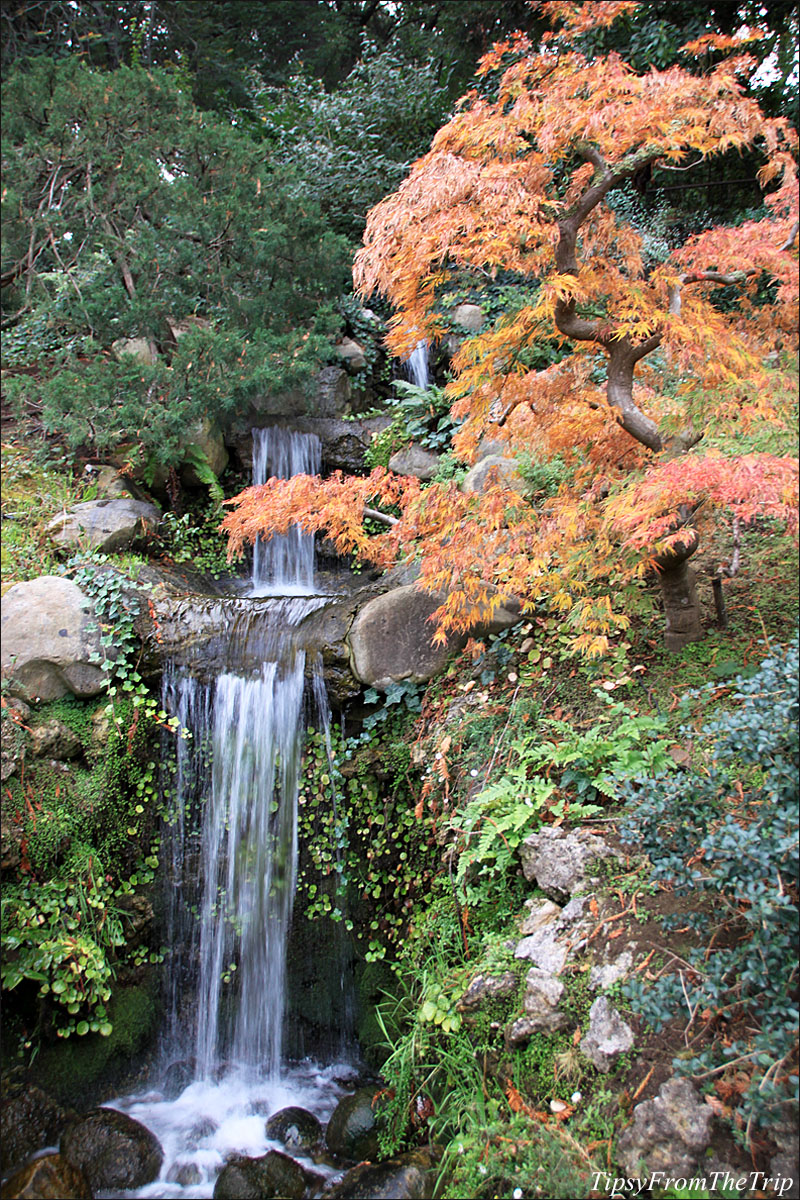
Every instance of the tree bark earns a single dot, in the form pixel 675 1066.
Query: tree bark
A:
pixel 679 594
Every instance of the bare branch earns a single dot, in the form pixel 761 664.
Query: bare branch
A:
pixel 787 245
pixel 379 516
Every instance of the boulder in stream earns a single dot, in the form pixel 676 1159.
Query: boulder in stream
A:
pixel 29 1121
pixel 112 1150
pixel 296 1127
pixel 49 1177
pixel 409 1176
pixel 271 1176
pixel 351 1131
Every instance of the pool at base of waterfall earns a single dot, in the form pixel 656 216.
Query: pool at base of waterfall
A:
pixel 212 1121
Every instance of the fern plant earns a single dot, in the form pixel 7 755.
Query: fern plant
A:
pixel 562 772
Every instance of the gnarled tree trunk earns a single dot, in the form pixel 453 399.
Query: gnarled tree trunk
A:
pixel 679 593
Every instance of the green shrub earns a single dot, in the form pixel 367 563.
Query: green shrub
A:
pixel 730 833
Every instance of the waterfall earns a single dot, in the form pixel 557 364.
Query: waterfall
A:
pixel 284 565
pixel 416 366
pixel 233 847
pixel 229 853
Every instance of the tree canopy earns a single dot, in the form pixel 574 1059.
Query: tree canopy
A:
pixel 532 175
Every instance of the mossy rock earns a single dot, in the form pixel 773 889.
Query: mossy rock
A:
pixel 77 1068
pixel 374 980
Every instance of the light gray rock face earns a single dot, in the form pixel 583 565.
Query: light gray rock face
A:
pixel 469 317
pixel 142 349
pixel 604 975
pixel 542 997
pixel 542 1015
pixel 391 639
pixel 542 945
pixel 49 637
pixel 608 1036
pixel 494 468
pixel 415 460
pixel 351 354
pixel 669 1132
pixel 558 860
pixel 105 525
pixel 487 987
pixel 540 913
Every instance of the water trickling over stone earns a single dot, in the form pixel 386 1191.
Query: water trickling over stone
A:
pixel 284 565
pixel 416 366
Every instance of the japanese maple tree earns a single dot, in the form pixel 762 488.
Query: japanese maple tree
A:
pixel 524 178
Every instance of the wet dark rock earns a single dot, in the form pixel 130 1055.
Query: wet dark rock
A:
pixel 297 1128
pixel 112 1150
pixel 29 1121
pixel 272 1176
pixel 50 1177
pixel 409 1176
pixel 351 1131
pixel 177 1078
pixel 187 1174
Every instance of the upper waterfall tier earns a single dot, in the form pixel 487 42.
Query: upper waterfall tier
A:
pixel 284 565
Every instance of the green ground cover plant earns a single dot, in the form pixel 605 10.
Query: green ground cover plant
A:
pixel 729 829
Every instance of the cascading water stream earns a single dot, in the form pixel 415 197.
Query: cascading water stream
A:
pixel 284 565
pixel 230 856
pixel 416 366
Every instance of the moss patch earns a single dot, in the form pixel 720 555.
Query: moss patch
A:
pixel 77 1070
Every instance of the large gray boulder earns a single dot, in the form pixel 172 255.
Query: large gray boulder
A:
pixel 559 860
pixel 391 639
pixel 494 468
pixel 415 460
pixel 669 1133
pixel 105 525
pixel 49 637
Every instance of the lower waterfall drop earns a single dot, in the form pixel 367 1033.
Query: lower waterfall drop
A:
pixel 230 862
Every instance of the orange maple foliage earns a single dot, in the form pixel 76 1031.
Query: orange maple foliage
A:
pixel 519 180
